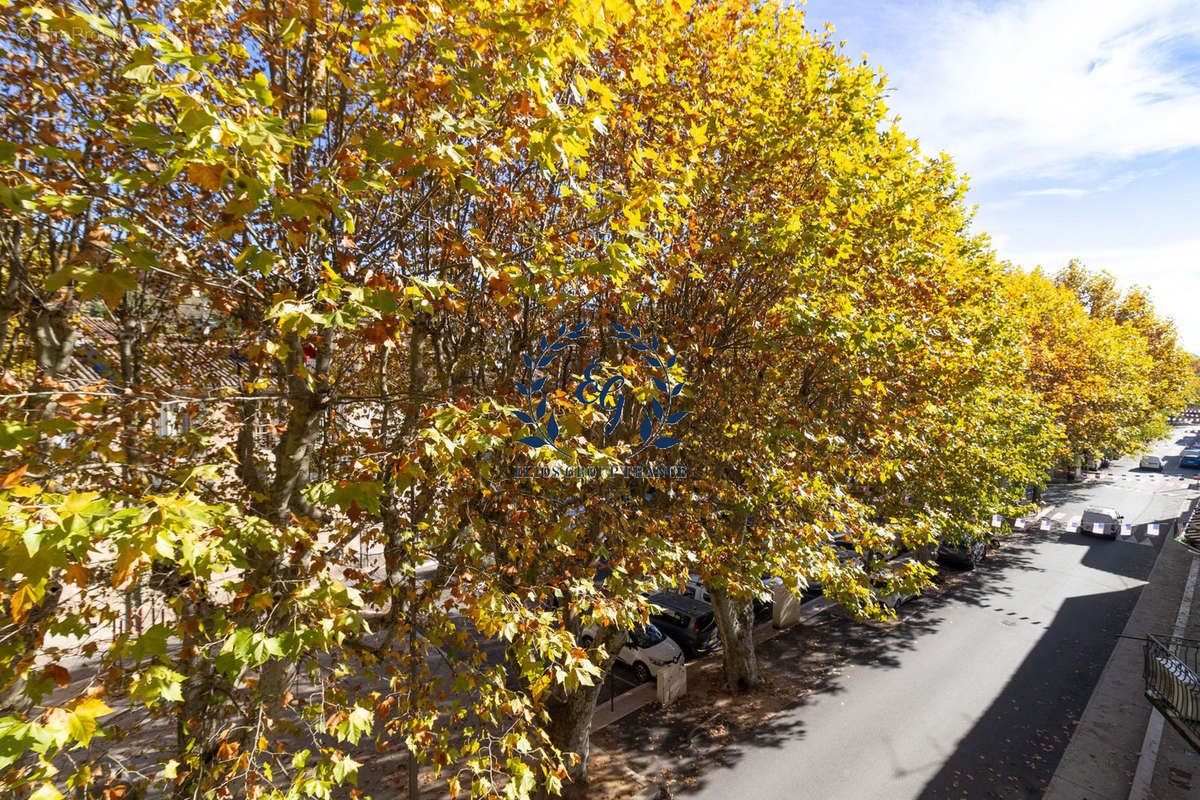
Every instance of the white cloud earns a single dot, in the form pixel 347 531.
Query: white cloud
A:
pixel 1165 270
pixel 1051 87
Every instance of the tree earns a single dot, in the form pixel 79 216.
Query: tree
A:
pixel 1094 375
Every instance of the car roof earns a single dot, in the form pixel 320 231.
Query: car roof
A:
pixel 1100 510
pixel 1191 451
pixel 680 602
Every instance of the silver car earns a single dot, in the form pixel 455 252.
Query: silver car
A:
pixel 1099 521
pixel 1151 463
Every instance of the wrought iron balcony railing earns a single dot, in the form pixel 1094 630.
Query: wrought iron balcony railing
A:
pixel 1172 676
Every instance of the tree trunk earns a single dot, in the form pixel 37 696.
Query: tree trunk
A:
pixel 54 337
pixel 735 620
pixel 53 349
pixel 570 727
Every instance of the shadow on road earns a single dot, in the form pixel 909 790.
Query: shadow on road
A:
pixel 1015 746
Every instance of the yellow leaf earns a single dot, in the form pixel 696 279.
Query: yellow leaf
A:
pixel 82 723
pixel 46 792
pixel 127 560
pixel 22 600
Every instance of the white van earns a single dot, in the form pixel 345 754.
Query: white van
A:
pixel 1101 522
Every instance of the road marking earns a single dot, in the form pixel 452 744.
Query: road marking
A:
pixel 1140 790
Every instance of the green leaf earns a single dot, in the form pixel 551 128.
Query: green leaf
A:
pixel 110 286
pixel 157 683
pixel 14 435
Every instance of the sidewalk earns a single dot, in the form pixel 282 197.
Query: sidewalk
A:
pixel 1102 758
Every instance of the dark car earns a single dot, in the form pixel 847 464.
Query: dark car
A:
pixel 690 622
pixel 965 553
pixel 1190 458
pixel 694 588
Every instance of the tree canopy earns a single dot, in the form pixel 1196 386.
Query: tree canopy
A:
pixel 290 291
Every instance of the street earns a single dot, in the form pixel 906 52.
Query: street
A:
pixel 976 692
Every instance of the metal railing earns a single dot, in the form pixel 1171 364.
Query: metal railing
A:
pixel 1172 677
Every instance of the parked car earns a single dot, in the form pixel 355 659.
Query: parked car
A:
pixel 891 599
pixel 690 622
pixel 965 553
pixel 1190 458
pixel 1154 463
pixel 1109 520
pixel 695 589
pixel 879 572
pixel 1063 471
pixel 647 650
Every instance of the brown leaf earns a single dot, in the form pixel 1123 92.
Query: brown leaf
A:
pixel 58 674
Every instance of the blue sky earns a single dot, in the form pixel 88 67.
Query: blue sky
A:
pixel 1077 122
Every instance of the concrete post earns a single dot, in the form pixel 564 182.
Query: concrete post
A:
pixel 672 683
pixel 785 609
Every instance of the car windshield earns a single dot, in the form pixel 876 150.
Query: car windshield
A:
pixel 1191 453
pixel 647 636
pixel 1098 515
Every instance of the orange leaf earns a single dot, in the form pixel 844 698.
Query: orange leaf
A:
pixel 77 574
pixel 206 176
pixel 13 478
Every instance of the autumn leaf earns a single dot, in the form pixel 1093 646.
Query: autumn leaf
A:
pixel 58 674
pixel 206 176
pixel 11 479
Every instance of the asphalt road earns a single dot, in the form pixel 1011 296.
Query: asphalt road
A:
pixel 976 693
